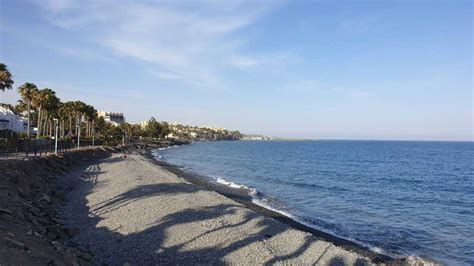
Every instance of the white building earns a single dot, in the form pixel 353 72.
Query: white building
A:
pixel 144 124
pixel 112 117
pixel 171 136
pixel 11 121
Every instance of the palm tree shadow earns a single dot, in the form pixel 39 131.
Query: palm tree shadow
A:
pixel 92 173
pixel 307 242
pixel 141 192
pixel 156 251
pixel 339 261
pixel 153 246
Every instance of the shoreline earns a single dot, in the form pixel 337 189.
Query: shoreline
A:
pixel 132 210
pixel 241 196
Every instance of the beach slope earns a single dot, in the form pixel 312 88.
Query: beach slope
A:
pixel 134 211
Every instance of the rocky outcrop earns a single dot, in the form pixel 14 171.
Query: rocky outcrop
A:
pixel 30 230
pixel 147 145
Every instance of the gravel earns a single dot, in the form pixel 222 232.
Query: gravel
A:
pixel 131 211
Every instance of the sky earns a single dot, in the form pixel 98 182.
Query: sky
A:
pixel 397 70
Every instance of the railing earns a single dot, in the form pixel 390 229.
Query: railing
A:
pixel 21 148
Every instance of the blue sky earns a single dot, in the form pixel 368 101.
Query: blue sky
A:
pixel 304 69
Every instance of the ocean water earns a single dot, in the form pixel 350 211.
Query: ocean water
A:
pixel 398 197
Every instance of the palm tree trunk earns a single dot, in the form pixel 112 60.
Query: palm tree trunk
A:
pixel 51 125
pixel 61 126
pixel 28 116
pixel 70 125
pixel 44 122
pixel 87 128
pixel 38 124
pixel 77 125
pixel 80 125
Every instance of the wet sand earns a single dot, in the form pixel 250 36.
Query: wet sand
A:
pixel 142 212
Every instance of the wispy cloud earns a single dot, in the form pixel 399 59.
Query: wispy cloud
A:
pixel 251 61
pixel 84 54
pixel 192 42
pixel 166 75
pixel 58 5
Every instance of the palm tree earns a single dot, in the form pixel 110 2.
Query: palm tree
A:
pixel 90 114
pixel 79 109
pixel 20 107
pixel 37 102
pixel 51 111
pixel 62 115
pixel 67 109
pixel 27 92
pixel 40 100
pixel 6 80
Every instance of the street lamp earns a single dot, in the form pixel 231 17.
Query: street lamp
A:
pixel 123 139
pixel 78 131
pixel 78 128
pixel 55 136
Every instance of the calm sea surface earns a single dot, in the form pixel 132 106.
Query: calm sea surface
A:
pixel 405 198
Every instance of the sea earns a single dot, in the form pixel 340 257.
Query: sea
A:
pixel 402 198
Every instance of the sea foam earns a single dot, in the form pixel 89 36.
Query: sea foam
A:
pixel 259 199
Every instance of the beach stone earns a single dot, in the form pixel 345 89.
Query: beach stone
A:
pixel 36 212
pixel 52 263
pixel 30 232
pixel 57 245
pixel 51 236
pixel 42 221
pixel 42 230
pixel 83 262
pixel 86 256
pixel 60 195
pixel 72 232
pixel 46 198
pixel 55 230
pixel 5 211
pixel 15 243
pixel 56 220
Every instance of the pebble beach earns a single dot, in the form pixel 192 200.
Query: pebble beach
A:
pixel 131 210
